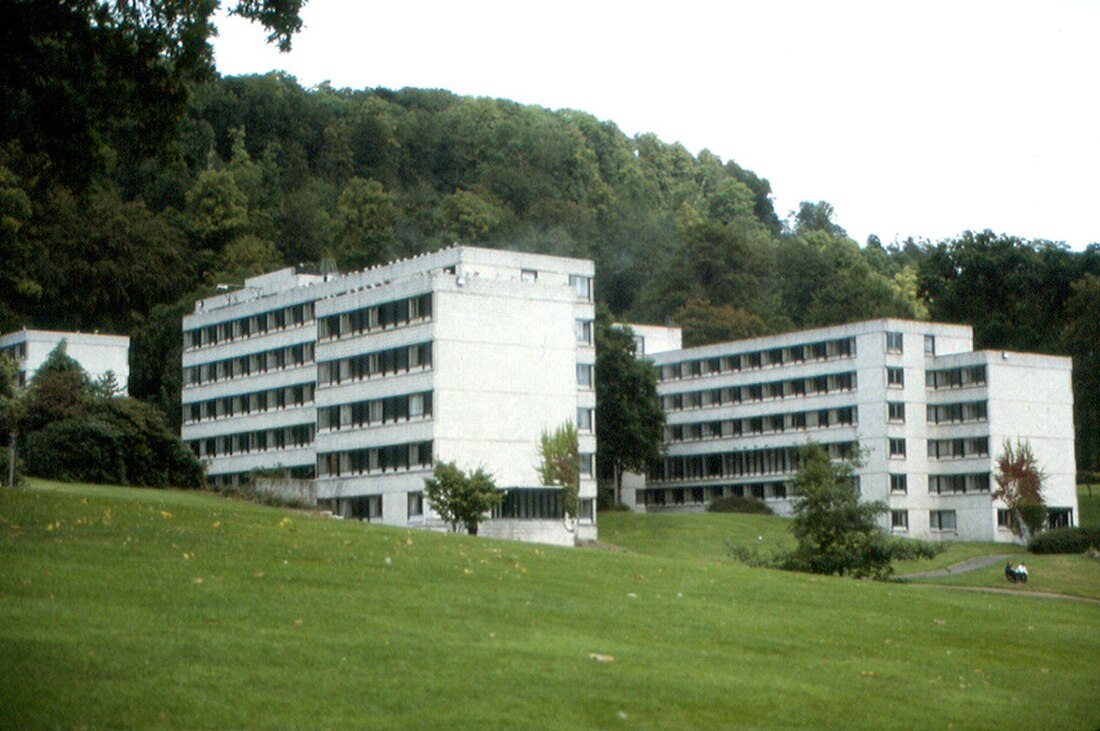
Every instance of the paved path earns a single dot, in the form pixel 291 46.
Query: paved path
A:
pixel 969 564
pixel 981 562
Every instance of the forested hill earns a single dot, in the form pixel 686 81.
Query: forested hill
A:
pixel 264 173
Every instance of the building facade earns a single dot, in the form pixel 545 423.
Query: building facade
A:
pixel 361 381
pixel 927 415
pixel 97 354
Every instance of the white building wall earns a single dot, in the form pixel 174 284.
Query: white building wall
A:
pixel 1025 396
pixel 97 354
pixel 504 363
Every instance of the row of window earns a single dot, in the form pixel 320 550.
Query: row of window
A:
pixel 963 377
pixel 244 327
pixel 539 504
pixel 228 479
pixel 938 520
pixel 262 440
pixel 958 448
pixel 381 362
pixel 390 458
pixel 790 388
pixel 290 356
pixel 375 317
pixel 959 484
pixel 256 402
pixel 958 412
pixel 825 350
pixel 799 420
pixel 770 461
pixel 703 495
pixel 376 411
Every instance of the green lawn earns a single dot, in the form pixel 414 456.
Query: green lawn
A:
pixel 135 608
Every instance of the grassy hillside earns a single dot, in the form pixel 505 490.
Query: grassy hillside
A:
pixel 137 608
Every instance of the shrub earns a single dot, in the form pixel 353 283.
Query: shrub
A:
pixel 1066 540
pixel 738 504
pixel 83 450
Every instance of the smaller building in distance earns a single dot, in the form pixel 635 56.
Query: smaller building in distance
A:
pixel 361 381
pixel 97 354
pixel 927 414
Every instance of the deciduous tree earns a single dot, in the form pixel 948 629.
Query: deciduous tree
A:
pixel 1020 487
pixel 629 418
pixel 560 464
pixel 461 498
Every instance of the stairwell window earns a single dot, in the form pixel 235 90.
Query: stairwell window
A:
pixel 895 377
pixel 897 448
pixel 899 519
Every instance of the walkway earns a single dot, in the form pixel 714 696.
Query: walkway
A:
pixel 970 564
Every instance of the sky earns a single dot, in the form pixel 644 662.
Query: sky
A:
pixel 920 119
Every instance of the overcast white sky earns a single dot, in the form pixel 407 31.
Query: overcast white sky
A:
pixel 915 119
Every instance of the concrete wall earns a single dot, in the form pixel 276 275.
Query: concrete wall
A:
pixel 95 353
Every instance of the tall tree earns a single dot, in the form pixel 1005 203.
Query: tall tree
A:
pixel 1082 340
pixel 629 418
pixel 77 76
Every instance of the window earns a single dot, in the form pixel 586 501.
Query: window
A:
pixel 582 286
pixel 894 342
pixel 1004 518
pixel 899 484
pixel 895 411
pixel 584 375
pixel 584 331
pixel 895 377
pixel 528 275
pixel 639 346
pixel 899 519
pixel 587 465
pixel 897 447
pixel 416 505
pixel 943 520
pixel 588 510
pixel 584 419
pixel 1059 517
pixel 929 344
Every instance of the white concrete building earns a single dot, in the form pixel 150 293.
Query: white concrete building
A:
pixel 929 416
pixel 360 381
pixel 97 354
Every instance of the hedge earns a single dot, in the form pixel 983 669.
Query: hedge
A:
pixel 1066 540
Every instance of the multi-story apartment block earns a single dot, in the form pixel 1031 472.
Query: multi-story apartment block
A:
pixel 927 415
pixel 361 381
pixel 97 354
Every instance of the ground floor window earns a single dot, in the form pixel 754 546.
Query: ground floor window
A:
pixel 899 519
pixel 588 510
pixel 1059 517
pixel 533 504
pixel 942 520
pixel 364 507
pixel 1004 518
pixel 416 505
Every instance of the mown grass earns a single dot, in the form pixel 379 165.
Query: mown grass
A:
pixel 134 608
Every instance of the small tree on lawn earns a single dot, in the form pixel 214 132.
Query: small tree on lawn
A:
pixel 837 533
pixel 561 464
pixel 461 498
pixel 1020 487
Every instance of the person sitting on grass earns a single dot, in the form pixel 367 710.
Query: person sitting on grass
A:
pixel 1021 573
pixel 1010 573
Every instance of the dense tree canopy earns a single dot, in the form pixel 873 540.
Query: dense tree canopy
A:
pixel 260 173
